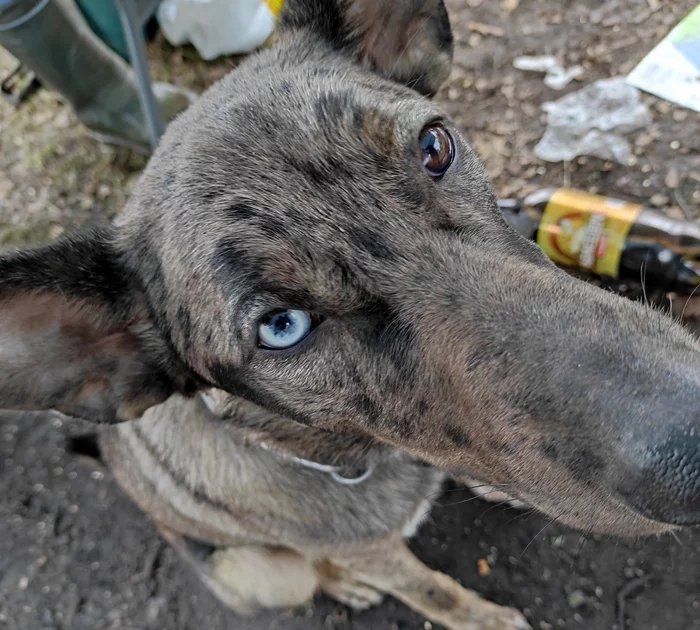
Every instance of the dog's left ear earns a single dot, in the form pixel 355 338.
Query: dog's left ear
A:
pixel 76 334
pixel 409 41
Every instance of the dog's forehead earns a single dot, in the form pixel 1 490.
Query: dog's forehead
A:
pixel 301 145
pixel 295 173
pixel 315 170
pixel 262 116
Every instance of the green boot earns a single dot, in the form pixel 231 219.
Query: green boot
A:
pixel 52 38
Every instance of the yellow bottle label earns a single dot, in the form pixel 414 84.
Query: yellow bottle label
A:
pixel 275 6
pixel 586 231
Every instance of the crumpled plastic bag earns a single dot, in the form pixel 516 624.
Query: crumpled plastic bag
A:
pixel 556 76
pixel 218 27
pixel 592 122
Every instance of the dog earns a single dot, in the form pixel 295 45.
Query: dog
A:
pixel 312 312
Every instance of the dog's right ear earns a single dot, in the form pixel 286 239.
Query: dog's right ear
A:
pixel 76 335
pixel 408 41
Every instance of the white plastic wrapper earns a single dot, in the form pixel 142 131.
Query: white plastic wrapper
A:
pixel 218 27
pixel 556 76
pixel 593 121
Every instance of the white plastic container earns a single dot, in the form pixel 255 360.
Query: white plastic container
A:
pixel 218 27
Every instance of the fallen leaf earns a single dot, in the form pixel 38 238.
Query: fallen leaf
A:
pixel 510 5
pixel 482 567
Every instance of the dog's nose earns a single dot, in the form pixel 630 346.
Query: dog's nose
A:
pixel 668 488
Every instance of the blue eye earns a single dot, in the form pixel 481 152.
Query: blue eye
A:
pixel 279 330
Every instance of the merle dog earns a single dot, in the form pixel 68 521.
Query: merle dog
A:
pixel 313 311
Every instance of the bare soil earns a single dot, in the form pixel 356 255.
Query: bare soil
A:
pixel 76 555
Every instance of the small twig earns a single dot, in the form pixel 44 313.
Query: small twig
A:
pixel 522 553
pixel 624 593
pixel 567 174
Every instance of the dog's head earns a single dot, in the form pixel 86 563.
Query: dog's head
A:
pixel 315 236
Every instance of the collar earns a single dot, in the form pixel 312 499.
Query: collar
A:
pixel 340 474
pixel 344 475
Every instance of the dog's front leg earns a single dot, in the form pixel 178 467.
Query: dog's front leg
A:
pixel 389 566
pixel 248 578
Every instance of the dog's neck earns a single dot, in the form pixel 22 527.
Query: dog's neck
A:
pixel 346 457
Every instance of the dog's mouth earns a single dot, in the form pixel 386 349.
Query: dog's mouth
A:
pixel 594 510
pixel 607 516
pixel 640 491
pixel 635 491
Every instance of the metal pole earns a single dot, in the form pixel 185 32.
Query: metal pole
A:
pixel 137 57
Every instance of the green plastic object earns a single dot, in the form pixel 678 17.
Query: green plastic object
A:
pixel 103 18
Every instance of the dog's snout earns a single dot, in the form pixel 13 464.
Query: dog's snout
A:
pixel 667 487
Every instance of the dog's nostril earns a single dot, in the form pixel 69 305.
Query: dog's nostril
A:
pixel 668 488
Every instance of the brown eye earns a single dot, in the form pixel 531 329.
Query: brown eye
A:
pixel 437 150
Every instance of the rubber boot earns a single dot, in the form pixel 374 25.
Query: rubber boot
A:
pixel 52 39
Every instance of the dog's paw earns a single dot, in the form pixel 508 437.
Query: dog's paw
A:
pixel 506 619
pixel 481 614
pixel 353 594
pixel 490 616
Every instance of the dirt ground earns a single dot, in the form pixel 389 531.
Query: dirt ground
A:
pixel 76 555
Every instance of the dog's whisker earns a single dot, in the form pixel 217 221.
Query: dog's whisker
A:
pixel 581 542
pixel 461 488
pixel 496 504
pixel 643 277
pixel 685 306
pixel 537 535
pixel 470 499
pixel 463 501
pixel 528 513
pixel 677 538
